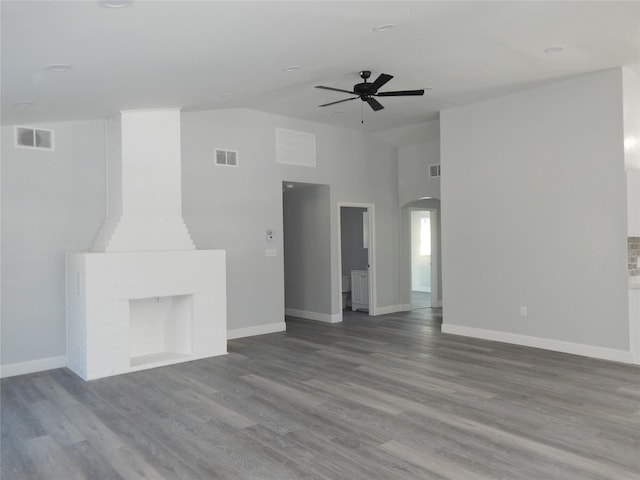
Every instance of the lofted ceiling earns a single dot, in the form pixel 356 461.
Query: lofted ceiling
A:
pixel 210 55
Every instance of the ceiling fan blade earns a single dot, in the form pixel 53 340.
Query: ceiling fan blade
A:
pixel 335 89
pixel 381 80
pixel 373 103
pixel 339 101
pixel 400 93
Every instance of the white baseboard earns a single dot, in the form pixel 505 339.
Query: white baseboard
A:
pixel 543 343
pixel 436 303
pixel 22 368
pixel 320 317
pixel 392 309
pixel 33 366
pixel 422 289
pixel 257 330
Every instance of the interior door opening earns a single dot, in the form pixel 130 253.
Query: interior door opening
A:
pixel 421 259
pixel 422 281
pixel 355 254
pixel 307 251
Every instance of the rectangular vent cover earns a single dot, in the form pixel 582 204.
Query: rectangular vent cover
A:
pixel 295 148
pixel 228 158
pixel 434 170
pixel 28 137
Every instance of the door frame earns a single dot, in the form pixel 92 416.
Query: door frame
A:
pixel 435 246
pixel 424 213
pixel 371 253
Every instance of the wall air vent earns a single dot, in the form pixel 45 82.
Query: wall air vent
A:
pixel 227 158
pixel 434 170
pixel 295 148
pixel 28 137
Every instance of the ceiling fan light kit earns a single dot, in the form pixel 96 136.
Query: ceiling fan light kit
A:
pixel 366 91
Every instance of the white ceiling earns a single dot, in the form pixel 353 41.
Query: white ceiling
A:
pixel 190 53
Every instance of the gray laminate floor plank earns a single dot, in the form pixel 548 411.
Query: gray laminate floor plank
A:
pixel 16 462
pixel 16 419
pixel 387 397
pixel 55 423
pixel 127 461
pixel 90 463
pixel 51 461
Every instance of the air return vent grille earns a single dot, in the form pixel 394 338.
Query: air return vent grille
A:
pixel 295 148
pixel 227 158
pixel 28 137
pixel 434 170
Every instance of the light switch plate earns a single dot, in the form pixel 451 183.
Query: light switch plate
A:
pixel 271 252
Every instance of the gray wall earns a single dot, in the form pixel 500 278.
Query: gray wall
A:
pixel 52 202
pixel 413 171
pixel 307 249
pixel 533 213
pixel 414 134
pixel 230 208
pixel 354 256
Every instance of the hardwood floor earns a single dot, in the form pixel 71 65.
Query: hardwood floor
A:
pixel 386 397
pixel 420 300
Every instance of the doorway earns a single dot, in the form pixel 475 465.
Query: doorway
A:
pixel 429 288
pixel 356 257
pixel 421 259
pixel 307 251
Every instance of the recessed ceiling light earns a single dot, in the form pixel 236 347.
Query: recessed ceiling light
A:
pixel 554 49
pixel 289 185
pixel 292 68
pixel 58 67
pixel 384 27
pixel 23 104
pixel 115 3
pixel 425 198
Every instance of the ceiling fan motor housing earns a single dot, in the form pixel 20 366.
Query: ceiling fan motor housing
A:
pixel 363 89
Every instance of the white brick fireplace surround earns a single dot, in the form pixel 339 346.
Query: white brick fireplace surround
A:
pixel 144 297
pixel 104 289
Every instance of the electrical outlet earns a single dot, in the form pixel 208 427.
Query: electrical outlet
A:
pixel 523 311
pixel 269 235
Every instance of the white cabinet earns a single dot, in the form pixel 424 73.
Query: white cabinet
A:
pixel 359 290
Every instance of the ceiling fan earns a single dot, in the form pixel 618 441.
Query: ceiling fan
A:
pixel 365 91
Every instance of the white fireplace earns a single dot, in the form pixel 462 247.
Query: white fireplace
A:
pixel 144 297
